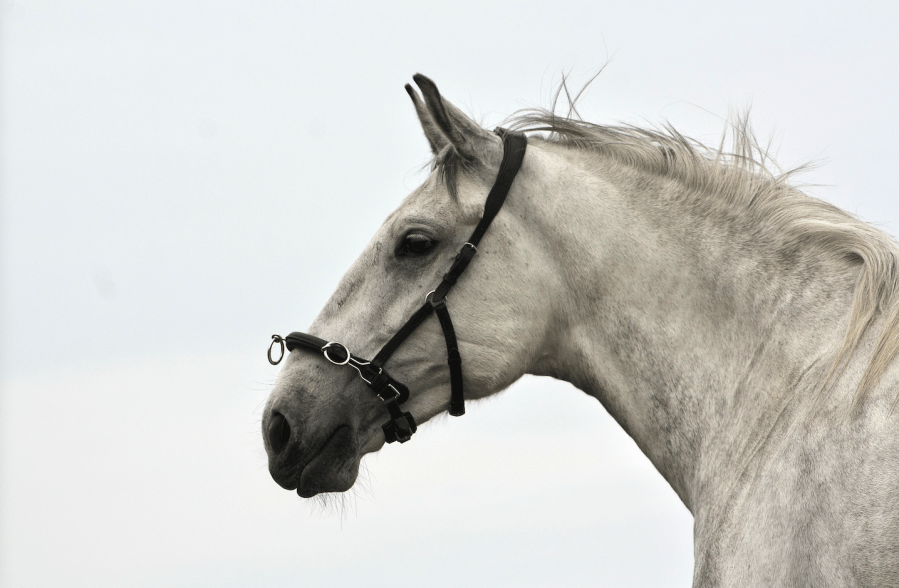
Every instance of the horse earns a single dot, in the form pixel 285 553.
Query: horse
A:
pixel 744 334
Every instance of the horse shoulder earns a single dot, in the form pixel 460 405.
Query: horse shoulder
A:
pixel 821 508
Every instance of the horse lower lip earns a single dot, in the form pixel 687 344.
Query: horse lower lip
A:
pixel 288 469
pixel 322 472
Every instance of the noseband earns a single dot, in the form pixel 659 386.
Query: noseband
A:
pixel 401 425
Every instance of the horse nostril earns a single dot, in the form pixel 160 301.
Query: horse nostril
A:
pixel 278 432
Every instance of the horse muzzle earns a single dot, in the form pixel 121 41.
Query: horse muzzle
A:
pixel 310 463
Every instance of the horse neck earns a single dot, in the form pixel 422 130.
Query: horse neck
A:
pixel 690 327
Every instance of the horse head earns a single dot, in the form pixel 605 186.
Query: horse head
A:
pixel 322 418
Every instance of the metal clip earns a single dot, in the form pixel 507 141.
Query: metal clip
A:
pixel 329 358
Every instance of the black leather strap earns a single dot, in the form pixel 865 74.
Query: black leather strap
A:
pixel 420 315
pixel 514 147
pixel 453 359
pixel 295 340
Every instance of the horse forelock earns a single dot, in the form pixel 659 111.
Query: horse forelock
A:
pixel 448 163
pixel 746 181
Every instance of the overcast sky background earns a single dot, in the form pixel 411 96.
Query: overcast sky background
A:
pixel 180 180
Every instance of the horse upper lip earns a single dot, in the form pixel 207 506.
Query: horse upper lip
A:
pixel 321 448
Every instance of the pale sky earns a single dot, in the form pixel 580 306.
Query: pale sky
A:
pixel 180 180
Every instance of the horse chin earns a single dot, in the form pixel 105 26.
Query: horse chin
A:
pixel 334 469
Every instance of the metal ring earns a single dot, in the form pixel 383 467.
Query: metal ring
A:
pixel 428 296
pixel 334 344
pixel 473 246
pixel 276 339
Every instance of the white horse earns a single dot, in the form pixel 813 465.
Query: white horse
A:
pixel 744 334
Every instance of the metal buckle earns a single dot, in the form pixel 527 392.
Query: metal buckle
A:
pixel 334 344
pixel 395 391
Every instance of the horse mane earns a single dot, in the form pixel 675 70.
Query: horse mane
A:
pixel 742 178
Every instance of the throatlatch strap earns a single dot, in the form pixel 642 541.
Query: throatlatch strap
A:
pixel 453 359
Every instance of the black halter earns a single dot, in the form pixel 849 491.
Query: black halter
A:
pixel 401 424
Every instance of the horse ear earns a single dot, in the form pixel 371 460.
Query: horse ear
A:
pixel 436 139
pixel 444 123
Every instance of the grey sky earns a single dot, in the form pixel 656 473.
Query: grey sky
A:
pixel 180 180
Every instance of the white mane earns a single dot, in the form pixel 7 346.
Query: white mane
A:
pixel 742 180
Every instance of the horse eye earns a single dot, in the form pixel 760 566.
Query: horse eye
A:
pixel 415 244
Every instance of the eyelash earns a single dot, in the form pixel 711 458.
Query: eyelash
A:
pixel 415 245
